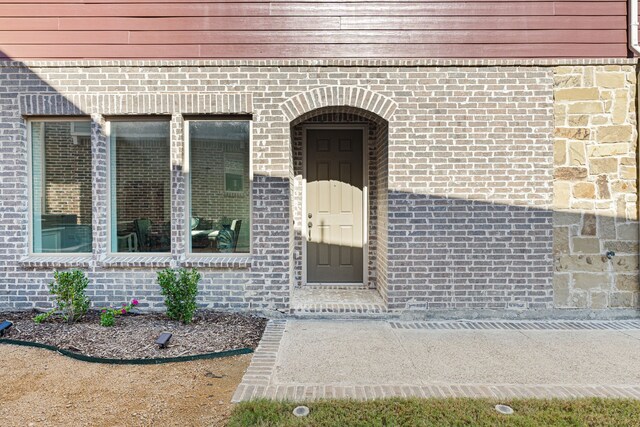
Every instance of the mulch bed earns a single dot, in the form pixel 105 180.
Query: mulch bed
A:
pixel 134 335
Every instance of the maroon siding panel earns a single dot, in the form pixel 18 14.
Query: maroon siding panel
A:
pixel 50 29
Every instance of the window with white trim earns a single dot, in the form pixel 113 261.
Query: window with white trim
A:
pixel 140 186
pixel 219 186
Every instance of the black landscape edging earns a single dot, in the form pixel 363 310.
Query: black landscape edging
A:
pixel 152 361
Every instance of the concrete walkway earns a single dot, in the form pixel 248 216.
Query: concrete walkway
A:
pixel 307 359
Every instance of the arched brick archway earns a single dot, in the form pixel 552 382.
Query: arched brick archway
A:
pixel 365 100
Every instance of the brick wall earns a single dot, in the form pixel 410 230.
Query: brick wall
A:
pixel 382 226
pixel 467 224
pixel 470 170
pixel 595 187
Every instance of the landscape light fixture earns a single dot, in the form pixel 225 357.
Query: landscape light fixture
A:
pixel 504 409
pixel 163 339
pixel 301 411
pixel 4 326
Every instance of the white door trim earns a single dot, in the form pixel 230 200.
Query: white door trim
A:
pixel 365 198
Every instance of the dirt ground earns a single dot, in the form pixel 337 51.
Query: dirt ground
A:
pixel 43 388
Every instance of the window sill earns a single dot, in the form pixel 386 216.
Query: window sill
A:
pixel 199 261
pixel 127 261
pixel 53 261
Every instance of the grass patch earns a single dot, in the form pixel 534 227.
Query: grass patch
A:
pixel 440 412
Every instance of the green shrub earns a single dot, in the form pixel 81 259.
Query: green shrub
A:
pixel 71 303
pixel 179 291
pixel 107 318
pixel 108 315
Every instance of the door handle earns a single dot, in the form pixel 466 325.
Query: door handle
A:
pixel 309 225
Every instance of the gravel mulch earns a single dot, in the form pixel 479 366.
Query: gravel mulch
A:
pixel 134 335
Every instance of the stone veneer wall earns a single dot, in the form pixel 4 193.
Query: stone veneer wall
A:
pixel 468 221
pixel 595 187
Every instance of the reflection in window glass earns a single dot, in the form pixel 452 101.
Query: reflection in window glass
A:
pixel 219 181
pixel 61 186
pixel 140 187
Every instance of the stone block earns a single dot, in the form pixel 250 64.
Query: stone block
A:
pixel 586 263
pixel 610 80
pixel 606 227
pixel 593 107
pixel 622 246
pixel 628 161
pixel 627 282
pixel 576 153
pixel 561 289
pixel 566 218
pixel 570 173
pixel 623 186
pixel 605 150
pixel 578 120
pixel 589 225
pixel 621 207
pixel 628 172
pixel 573 133
pixel 599 299
pixel 561 240
pixel 559 152
pixel 564 69
pixel 602 183
pixel 619 133
pixel 578 299
pixel 586 245
pixel 567 80
pixel 577 94
pixel 625 263
pixel 632 211
pixel 561 195
pixel 588 281
pixel 620 109
pixel 604 165
pixel 584 190
pixel 628 231
pixel 621 299
pixel 583 204
pixel 600 120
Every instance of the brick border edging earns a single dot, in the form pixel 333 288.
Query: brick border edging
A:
pixel 301 392
pixel 549 325
pixel 257 378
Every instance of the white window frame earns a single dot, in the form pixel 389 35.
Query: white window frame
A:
pixel 30 192
pixel 186 170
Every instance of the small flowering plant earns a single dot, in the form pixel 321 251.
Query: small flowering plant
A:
pixel 108 315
